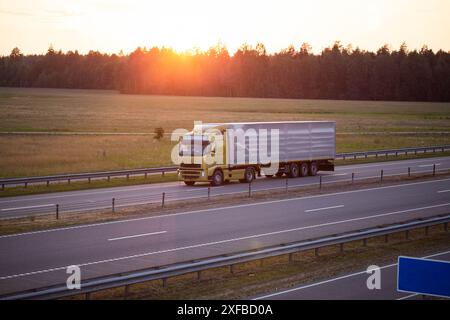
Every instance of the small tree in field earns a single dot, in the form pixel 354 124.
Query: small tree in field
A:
pixel 159 133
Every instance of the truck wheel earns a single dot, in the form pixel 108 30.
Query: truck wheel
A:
pixel 189 183
pixel 313 169
pixel 249 174
pixel 294 170
pixel 304 169
pixel 217 178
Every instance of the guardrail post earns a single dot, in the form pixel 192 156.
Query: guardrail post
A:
pixel 434 170
pixel 364 242
pixel 320 182
pixel 126 291
pixel 353 177
pixel 68 181
pixel 291 257
pixel 249 189
pixel 128 177
pixel 396 153
pixel 316 252
pixel 26 184
pixel 3 187
pixel 199 275
pixel 113 205
pixel 164 282
pixel 163 199
pixel 163 173
pixel 365 155
pixel 109 178
pixel 407 234
pixel 87 296
pixel 209 192
pixel 381 175
pixel 409 171
pixel 145 175
pixel 57 211
pixel 89 180
pixel 287 184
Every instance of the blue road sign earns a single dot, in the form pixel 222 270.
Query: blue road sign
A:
pixel 423 276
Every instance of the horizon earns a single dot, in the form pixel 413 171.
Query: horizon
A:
pixel 112 26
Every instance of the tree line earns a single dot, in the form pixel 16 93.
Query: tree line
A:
pixel 338 72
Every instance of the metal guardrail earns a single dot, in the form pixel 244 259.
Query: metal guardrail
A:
pixel 395 152
pixel 164 272
pixel 145 171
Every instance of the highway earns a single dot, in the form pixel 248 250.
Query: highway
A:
pixel 352 286
pixel 40 258
pixel 152 193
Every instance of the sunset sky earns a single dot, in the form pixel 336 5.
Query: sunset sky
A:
pixel 112 25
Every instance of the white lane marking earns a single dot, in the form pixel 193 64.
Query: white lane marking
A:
pixel 222 208
pixel 338 174
pixel 30 207
pixel 390 163
pixel 227 240
pixel 137 235
pixel 340 278
pixel 429 165
pixel 444 191
pixel 409 296
pixel 326 208
pixel 82 193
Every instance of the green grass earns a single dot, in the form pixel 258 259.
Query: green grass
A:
pixel 85 112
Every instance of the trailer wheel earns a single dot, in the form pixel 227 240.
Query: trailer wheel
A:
pixel 313 169
pixel 189 183
pixel 294 170
pixel 304 169
pixel 217 178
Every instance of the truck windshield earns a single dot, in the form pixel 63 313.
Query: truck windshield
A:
pixel 194 146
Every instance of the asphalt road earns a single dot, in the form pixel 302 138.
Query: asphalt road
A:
pixel 40 258
pixel 352 286
pixel 124 196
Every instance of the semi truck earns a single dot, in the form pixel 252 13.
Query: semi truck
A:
pixel 218 153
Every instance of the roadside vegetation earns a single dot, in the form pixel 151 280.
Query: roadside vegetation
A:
pixel 51 131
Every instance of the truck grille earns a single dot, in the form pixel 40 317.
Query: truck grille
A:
pixel 190 166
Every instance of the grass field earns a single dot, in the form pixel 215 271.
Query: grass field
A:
pixel 101 130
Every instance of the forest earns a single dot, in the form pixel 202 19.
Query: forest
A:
pixel 338 72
